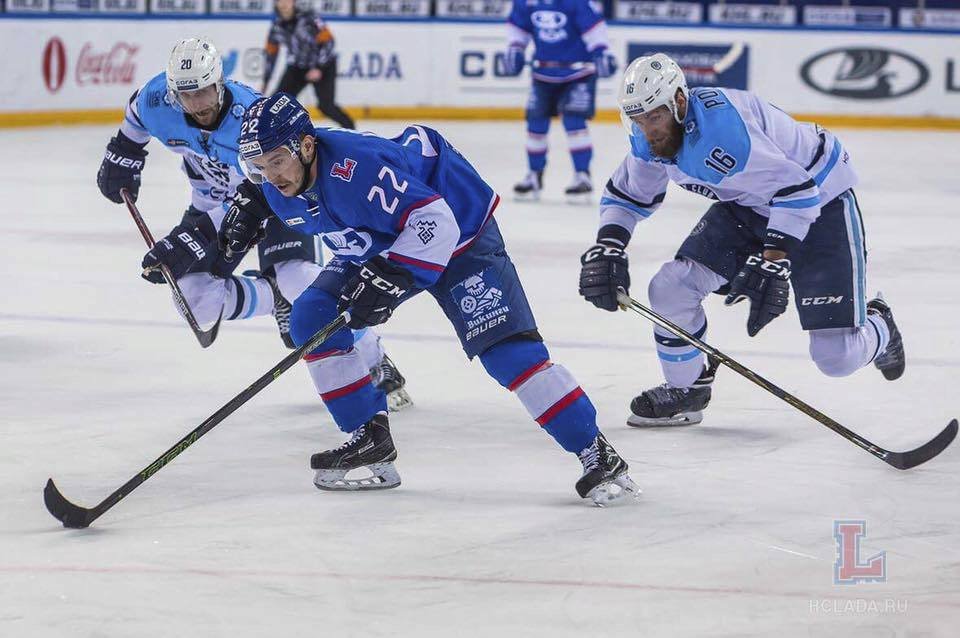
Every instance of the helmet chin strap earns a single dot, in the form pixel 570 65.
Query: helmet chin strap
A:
pixel 305 180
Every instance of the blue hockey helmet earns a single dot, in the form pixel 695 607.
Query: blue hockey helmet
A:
pixel 270 123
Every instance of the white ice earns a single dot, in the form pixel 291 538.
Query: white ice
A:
pixel 733 535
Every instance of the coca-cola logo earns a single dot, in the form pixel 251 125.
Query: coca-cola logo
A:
pixel 116 66
pixel 54 64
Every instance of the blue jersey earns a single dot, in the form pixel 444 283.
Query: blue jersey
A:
pixel 210 157
pixel 566 34
pixel 736 148
pixel 413 199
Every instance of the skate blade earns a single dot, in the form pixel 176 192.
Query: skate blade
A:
pixel 533 196
pixel 398 400
pixel 384 476
pixel 684 418
pixel 620 490
pixel 580 199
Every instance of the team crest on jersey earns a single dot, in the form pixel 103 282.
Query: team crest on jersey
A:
pixel 425 228
pixel 344 171
pixel 348 242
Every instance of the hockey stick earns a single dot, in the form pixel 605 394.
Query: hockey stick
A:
pixel 205 337
pixel 899 460
pixel 79 517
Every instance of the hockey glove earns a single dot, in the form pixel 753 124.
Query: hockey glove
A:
pixel 605 63
pixel 179 251
pixel 604 270
pixel 374 292
pixel 243 225
pixel 513 61
pixel 767 285
pixel 121 167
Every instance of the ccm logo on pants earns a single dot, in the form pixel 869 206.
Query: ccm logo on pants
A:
pixel 820 301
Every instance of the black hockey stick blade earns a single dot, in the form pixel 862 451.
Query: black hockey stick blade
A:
pixel 204 337
pixel 922 454
pixel 70 515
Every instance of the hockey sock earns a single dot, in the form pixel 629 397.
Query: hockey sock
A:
pixel 547 390
pixel 839 352
pixel 578 141
pixel 247 297
pixel 537 143
pixel 367 343
pixel 337 369
pixel 681 362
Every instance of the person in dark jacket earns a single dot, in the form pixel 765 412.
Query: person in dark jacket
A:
pixel 311 58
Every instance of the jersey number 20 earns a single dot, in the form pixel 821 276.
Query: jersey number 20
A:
pixel 377 191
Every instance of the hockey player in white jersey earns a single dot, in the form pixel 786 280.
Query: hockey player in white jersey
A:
pixel 785 214
pixel 193 111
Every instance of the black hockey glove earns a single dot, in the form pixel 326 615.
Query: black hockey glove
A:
pixel 121 167
pixel 179 251
pixel 374 292
pixel 605 269
pixel 243 225
pixel 767 285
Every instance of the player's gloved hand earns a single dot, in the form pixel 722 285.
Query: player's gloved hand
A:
pixel 179 251
pixel 242 227
pixel 605 63
pixel 604 270
pixel 513 61
pixel 374 292
pixel 121 167
pixel 766 284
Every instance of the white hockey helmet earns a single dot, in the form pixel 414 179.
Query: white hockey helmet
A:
pixel 649 83
pixel 194 64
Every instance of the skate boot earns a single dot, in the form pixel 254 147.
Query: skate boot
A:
pixel 605 479
pixel 666 405
pixel 580 190
pixel 389 380
pixel 528 189
pixel 892 361
pixel 370 447
pixel 281 307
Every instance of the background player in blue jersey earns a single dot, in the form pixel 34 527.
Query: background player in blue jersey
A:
pixel 403 215
pixel 570 52
pixel 194 112
pixel 785 214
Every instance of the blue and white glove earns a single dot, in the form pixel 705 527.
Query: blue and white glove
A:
pixel 513 61
pixel 605 63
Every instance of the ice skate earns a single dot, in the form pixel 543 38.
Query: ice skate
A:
pixel 281 307
pixel 605 479
pixel 528 189
pixel 580 190
pixel 388 379
pixel 892 361
pixel 370 448
pixel 665 405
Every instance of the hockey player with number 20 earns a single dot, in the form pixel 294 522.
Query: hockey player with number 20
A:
pixel 192 110
pixel 785 215
pixel 405 215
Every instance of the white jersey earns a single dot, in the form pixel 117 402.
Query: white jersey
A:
pixel 736 148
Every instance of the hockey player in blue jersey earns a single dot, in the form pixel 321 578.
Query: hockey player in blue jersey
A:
pixel 571 50
pixel 785 214
pixel 192 110
pixel 402 216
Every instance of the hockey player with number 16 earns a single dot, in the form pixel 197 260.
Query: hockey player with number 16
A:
pixel 407 215
pixel 785 214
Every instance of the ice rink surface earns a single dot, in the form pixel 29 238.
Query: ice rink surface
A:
pixel 486 537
